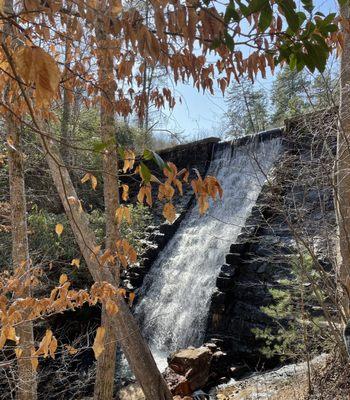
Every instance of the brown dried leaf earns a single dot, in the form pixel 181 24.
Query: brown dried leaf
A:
pixel 36 66
pixel 63 279
pixel 125 194
pixel 169 212
pixel 59 229
pixel 76 262
pixel 98 346
pixel 111 307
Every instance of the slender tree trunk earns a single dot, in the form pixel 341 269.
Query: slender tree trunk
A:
pixel 27 380
pixel 106 363
pixel 342 181
pixel 66 113
pixel 129 336
pixel 26 385
pixel 248 110
pixel 66 107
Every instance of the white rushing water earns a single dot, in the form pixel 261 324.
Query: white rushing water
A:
pixel 176 293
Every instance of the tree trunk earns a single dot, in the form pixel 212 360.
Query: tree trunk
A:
pixel 66 106
pixel 106 363
pixel 27 380
pixel 342 178
pixel 128 334
pixel 26 384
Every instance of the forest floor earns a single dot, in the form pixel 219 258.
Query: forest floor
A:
pixel 286 383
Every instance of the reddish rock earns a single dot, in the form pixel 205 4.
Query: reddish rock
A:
pixel 188 370
pixel 178 384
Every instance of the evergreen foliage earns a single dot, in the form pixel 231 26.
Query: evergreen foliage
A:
pixel 298 324
pixel 252 108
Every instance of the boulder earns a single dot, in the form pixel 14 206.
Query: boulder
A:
pixel 178 384
pixel 189 369
pixel 190 359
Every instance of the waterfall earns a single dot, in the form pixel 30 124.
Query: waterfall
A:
pixel 176 293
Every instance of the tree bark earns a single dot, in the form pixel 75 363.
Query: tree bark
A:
pixel 26 385
pixel 342 170
pixel 27 379
pixel 128 334
pixel 66 106
pixel 106 363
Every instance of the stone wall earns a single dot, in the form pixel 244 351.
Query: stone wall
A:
pixel 295 204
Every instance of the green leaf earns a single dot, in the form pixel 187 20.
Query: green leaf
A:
pixel 319 14
pixel 231 13
pixel 229 42
pixel 121 152
pixel 308 61
pixel 293 61
pixel 302 18
pixel 331 28
pixel 310 27
pixel 289 10
pixel 308 5
pixel 257 5
pixel 317 55
pixel 244 9
pixel 265 17
pixel 160 162
pixel 300 64
pixel 99 146
pixel 147 155
pixel 150 155
pixel 330 18
pixel 145 173
pixel 321 42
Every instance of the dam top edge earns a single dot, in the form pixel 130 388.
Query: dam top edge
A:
pixel 257 137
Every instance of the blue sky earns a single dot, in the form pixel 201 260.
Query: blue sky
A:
pixel 203 114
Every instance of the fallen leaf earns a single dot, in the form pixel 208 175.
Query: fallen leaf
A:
pixel 59 229
pixel 76 262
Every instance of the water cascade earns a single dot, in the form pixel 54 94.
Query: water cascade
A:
pixel 176 293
